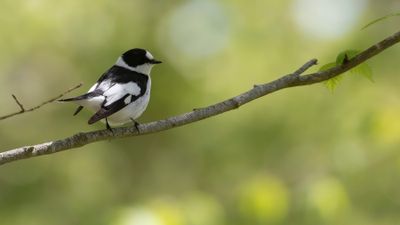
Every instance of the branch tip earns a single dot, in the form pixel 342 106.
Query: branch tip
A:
pixel 305 67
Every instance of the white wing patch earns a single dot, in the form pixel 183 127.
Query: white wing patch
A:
pixel 105 85
pixel 118 91
pixel 128 99
pixel 93 87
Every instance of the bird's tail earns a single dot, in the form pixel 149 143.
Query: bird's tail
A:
pixel 82 97
pixel 78 98
pixel 68 99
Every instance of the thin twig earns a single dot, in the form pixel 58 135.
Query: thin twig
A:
pixel 291 80
pixel 23 110
pixel 305 67
pixel 18 103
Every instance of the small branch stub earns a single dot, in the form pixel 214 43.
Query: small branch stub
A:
pixel 18 103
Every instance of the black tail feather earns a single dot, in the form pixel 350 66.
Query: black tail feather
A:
pixel 66 99
pixel 78 110
pixel 82 97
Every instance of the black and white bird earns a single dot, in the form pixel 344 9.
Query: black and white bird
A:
pixel 122 93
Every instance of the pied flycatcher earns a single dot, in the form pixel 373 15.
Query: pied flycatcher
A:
pixel 122 93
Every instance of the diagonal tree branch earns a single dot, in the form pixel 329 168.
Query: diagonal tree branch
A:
pixel 290 80
pixel 23 110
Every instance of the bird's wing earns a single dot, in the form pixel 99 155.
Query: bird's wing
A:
pixel 106 111
pixel 116 98
pixel 119 90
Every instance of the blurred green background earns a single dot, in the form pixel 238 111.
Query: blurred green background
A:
pixel 300 156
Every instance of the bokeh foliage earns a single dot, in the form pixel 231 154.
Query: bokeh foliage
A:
pixel 300 156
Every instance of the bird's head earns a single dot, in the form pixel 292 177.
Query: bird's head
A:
pixel 138 60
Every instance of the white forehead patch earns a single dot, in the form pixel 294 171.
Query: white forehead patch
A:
pixel 149 55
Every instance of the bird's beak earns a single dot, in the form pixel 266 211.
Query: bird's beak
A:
pixel 154 61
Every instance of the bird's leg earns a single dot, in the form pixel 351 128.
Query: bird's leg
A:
pixel 108 126
pixel 136 124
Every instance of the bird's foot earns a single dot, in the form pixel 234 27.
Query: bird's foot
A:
pixel 109 127
pixel 136 124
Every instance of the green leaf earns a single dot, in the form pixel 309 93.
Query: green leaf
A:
pixel 332 83
pixel 346 55
pixel 364 70
pixel 327 66
pixel 380 19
